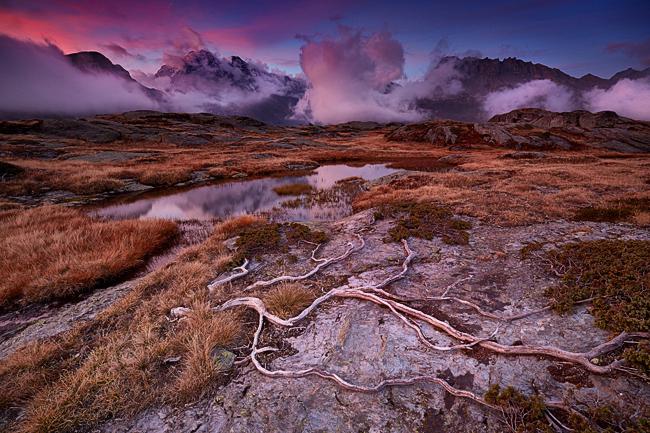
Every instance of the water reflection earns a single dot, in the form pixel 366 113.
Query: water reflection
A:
pixel 253 196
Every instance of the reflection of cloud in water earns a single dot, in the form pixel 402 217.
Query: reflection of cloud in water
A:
pixel 326 176
pixel 236 198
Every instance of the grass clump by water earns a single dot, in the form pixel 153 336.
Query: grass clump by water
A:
pixel 164 177
pixel 614 272
pixel 55 253
pixel 293 189
pixel 425 221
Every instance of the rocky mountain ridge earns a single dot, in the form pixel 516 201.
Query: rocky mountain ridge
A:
pixel 479 77
pixel 93 62
pixel 535 129
pixel 240 87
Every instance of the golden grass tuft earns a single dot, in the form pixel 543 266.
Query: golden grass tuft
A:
pixel 203 333
pixel 54 252
pixel 293 189
pixel 164 176
pixel 232 226
pixel 288 299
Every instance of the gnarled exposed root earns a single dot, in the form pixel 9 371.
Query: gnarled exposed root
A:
pixel 410 317
pixel 295 374
pixel 322 263
pixel 243 271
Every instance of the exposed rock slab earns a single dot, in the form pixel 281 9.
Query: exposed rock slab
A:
pixel 364 343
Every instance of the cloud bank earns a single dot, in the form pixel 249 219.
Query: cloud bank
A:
pixel 629 98
pixel 358 76
pixel 202 81
pixel 350 77
pixel 38 79
pixel 544 94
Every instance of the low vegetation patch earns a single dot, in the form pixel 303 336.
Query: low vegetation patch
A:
pixel 261 237
pixel 614 272
pixel 639 356
pixel 630 209
pixel 297 232
pixel 529 414
pixel 422 164
pixel 521 413
pixel 293 189
pixel 258 238
pixel 528 249
pixel 425 221
pixel 53 252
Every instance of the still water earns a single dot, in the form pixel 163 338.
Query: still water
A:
pixel 252 196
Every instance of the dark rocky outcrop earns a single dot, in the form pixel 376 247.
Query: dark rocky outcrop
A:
pixel 535 129
pixel 181 129
pixel 9 171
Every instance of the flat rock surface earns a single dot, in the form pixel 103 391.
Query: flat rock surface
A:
pixel 365 344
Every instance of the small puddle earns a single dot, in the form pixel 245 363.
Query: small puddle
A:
pixel 254 196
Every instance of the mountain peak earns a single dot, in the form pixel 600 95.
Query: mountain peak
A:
pixel 95 62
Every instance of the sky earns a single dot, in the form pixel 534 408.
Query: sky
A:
pixel 578 37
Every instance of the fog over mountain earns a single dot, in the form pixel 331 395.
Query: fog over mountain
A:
pixel 353 76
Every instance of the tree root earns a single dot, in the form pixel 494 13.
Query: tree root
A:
pixel 322 263
pixel 295 374
pixel 411 316
pixel 243 271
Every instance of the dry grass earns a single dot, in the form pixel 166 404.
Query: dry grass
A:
pixel 204 332
pixel 512 192
pixel 288 299
pixel 115 365
pixel 164 177
pixel 293 189
pixel 53 252
pixel 232 226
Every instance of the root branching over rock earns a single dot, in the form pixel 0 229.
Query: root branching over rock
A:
pixel 322 263
pixel 242 272
pixel 413 317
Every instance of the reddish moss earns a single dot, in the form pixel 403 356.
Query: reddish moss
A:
pixel 296 232
pixel 425 221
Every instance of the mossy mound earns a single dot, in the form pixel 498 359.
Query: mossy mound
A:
pixel 424 221
pixel 296 232
pixel 529 414
pixel 614 272
pixel 522 413
pixel 616 211
pixel 263 237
